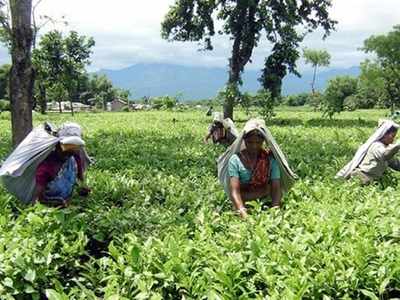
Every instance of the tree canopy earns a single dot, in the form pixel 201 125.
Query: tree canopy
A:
pixel 387 50
pixel 339 88
pixel 246 23
pixel 61 61
pixel 4 80
pixel 317 58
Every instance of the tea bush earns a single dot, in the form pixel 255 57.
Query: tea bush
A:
pixel 158 225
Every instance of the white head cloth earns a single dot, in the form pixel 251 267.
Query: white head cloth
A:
pixel 287 175
pixel 71 133
pixel 383 127
pixel 227 123
pixel 218 116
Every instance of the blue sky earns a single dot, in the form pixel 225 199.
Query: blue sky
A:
pixel 128 32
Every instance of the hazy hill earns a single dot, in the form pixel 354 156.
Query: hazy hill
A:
pixel 203 82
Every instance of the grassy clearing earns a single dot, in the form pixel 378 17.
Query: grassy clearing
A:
pixel 158 225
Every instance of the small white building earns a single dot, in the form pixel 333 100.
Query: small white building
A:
pixel 138 106
pixel 117 104
pixel 66 106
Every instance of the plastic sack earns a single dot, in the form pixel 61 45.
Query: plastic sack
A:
pixel 19 170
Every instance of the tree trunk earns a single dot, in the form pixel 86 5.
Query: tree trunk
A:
pixel 71 95
pixel 42 99
pixel 233 81
pixel 72 107
pixel 228 107
pixel 242 48
pixel 21 80
pixel 313 80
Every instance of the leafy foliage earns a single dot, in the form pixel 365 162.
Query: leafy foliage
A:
pixel 297 100
pixel 167 102
pixel 371 88
pixel 337 91
pixel 245 22
pixel 387 49
pixel 265 103
pixel 4 81
pixel 275 68
pixel 100 90
pixel 60 62
pixel 159 226
pixel 5 27
pixel 4 105
pixel 317 58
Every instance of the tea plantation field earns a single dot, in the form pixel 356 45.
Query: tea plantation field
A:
pixel 158 225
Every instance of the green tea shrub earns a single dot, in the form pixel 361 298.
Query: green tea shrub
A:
pixel 158 224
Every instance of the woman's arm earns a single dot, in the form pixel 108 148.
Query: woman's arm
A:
pixel 83 190
pixel 236 196
pixel 276 193
pixel 38 194
pixel 387 152
pixel 211 128
pixel 207 137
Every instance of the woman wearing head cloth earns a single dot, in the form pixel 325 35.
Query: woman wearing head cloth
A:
pixel 57 175
pixel 46 165
pixel 249 171
pixel 375 156
pixel 222 131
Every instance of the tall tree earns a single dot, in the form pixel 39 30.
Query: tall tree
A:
pixel 317 58
pixel 48 62
pixel 62 60
pixel 283 57
pixel 5 24
pixel 77 54
pixel 371 89
pixel 102 90
pixel 245 22
pixel 18 33
pixel 40 95
pixel 338 89
pixel 387 50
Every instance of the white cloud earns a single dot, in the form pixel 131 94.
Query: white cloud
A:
pixel 128 32
pixel 374 16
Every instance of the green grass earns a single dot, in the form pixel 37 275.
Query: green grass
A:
pixel 158 225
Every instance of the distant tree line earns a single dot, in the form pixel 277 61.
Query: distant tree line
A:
pixel 59 64
pixel 377 86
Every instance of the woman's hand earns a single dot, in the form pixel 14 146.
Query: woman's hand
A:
pixel 206 138
pixel 276 193
pixel 242 212
pixel 236 197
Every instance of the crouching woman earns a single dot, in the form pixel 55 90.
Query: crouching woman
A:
pixel 249 171
pixel 375 156
pixel 222 131
pixel 57 175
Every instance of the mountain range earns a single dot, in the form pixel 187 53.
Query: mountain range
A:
pixel 196 83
